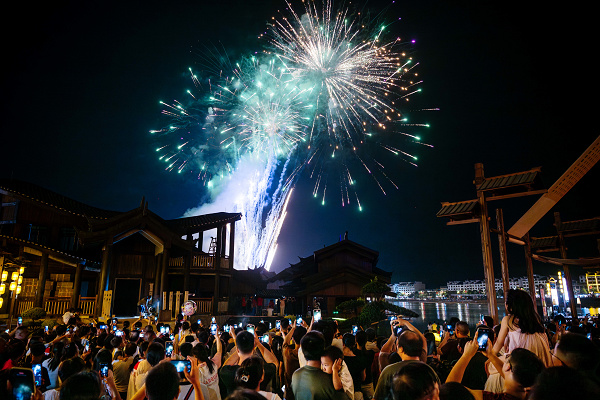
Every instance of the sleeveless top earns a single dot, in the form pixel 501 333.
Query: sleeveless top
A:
pixel 537 343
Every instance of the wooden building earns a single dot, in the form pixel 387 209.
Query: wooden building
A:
pixel 77 255
pixel 329 276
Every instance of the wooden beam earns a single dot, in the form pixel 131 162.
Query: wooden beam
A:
pixel 581 234
pixel 503 255
pixel 556 192
pixel 463 221
pixel 520 194
pixel 529 264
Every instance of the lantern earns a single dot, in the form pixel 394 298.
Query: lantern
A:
pixel 1 301
pixel 13 286
pixel 14 276
pixel 2 289
pixel 21 270
pixel 4 276
pixel 19 289
pixel 20 280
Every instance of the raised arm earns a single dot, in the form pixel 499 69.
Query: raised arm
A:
pixel 457 372
pixel 502 335
pixel 217 359
pixel 267 355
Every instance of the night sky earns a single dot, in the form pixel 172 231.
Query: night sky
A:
pixel 81 85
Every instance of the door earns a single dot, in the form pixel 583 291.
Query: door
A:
pixel 126 296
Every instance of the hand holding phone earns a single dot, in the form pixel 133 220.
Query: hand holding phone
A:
pixel 182 365
pixel 250 328
pixel 483 335
pixel 316 315
pixel 23 383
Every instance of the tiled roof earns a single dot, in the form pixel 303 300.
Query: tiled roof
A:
pixel 520 178
pixel 550 241
pixel 49 198
pixel 202 220
pixel 462 207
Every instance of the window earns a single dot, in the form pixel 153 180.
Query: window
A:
pixel 37 234
pixel 68 239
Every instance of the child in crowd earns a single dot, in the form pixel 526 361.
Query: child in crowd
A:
pixel 331 363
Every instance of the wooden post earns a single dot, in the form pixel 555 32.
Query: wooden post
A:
pixel 503 256
pixel 232 243
pixel 41 287
pixel 486 247
pixel 529 262
pixel 104 274
pixel 76 286
pixel 563 255
pixel 157 275
pixel 164 272
pixel 217 264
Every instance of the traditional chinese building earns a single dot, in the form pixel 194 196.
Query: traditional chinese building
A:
pixel 77 255
pixel 329 276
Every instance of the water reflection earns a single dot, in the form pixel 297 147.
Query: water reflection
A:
pixel 440 312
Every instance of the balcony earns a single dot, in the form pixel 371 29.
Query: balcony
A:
pixel 200 262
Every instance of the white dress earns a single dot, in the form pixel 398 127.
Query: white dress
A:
pixel 537 343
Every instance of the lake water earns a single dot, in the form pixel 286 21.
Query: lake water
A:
pixel 440 312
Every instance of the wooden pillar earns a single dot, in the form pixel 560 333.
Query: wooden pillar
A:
pixel 529 262
pixel 232 244
pixel 157 276
pixel 164 272
pixel 486 246
pixel 217 265
pixel 104 275
pixel 563 255
pixel 503 256
pixel 41 287
pixel 76 286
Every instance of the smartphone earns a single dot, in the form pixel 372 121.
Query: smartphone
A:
pixel 162 330
pixel 265 338
pixel 168 349
pixel 23 383
pixel 213 329
pixel 142 335
pixel 103 327
pixel 226 328
pixel 167 329
pixel 278 324
pixel 20 320
pixel 262 321
pixel 46 328
pixel 182 365
pixel 118 333
pixel 298 320
pixel 37 374
pixel 104 370
pixel 354 329
pixel 114 328
pixel 87 347
pixel 398 329
pixel 213 320
pixel 316 315
pixel 172 337
pixel 589 336
pixel 483 335
pixel 235 326
pixel 250 328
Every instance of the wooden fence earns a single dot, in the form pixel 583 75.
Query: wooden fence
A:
pixel 56 306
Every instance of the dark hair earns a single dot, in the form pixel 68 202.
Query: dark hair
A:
pixel 250 372
pixel 371 334
pixel 155 353
pixel 525 366
pixel 70 351
pixel 84 385
pixel 245 394
pixel 285 323
pixel 186 350
pixel 326 329
pixel 519 304
pixel 138 324
pixel 489 321
pixel 411 343
pixel 463 341
pixel 455 391
pixel 70 367
pixel 103 357
pixel 313 345
pixel 414 381
pixel 185 325
pixel 430 339
pixel 277 347
pixel 203 336
pixel 463 328
pixel 349 340
pixel 57 353
pixel 162 382
pixel 37 349
pixel 245 342
pixel 559 383
pixel 189 339
pixel 16 349
pixel 298 334
pixel 333 353
pixel 130 349
pixel 580 352
pixel 201 353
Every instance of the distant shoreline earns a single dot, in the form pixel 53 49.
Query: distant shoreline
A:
pixel 479 301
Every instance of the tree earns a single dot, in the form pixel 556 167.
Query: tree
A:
pixel 373 311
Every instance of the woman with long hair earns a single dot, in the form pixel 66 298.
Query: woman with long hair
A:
pixel 52 363
pixel 522 328
pixel 208 367
pixel 153 355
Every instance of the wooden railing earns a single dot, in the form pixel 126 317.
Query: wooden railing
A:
pixel 204 305
pixel 57 305
pixel 87 305
pixel 199 261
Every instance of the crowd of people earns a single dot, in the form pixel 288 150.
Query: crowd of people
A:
pixel 520 358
